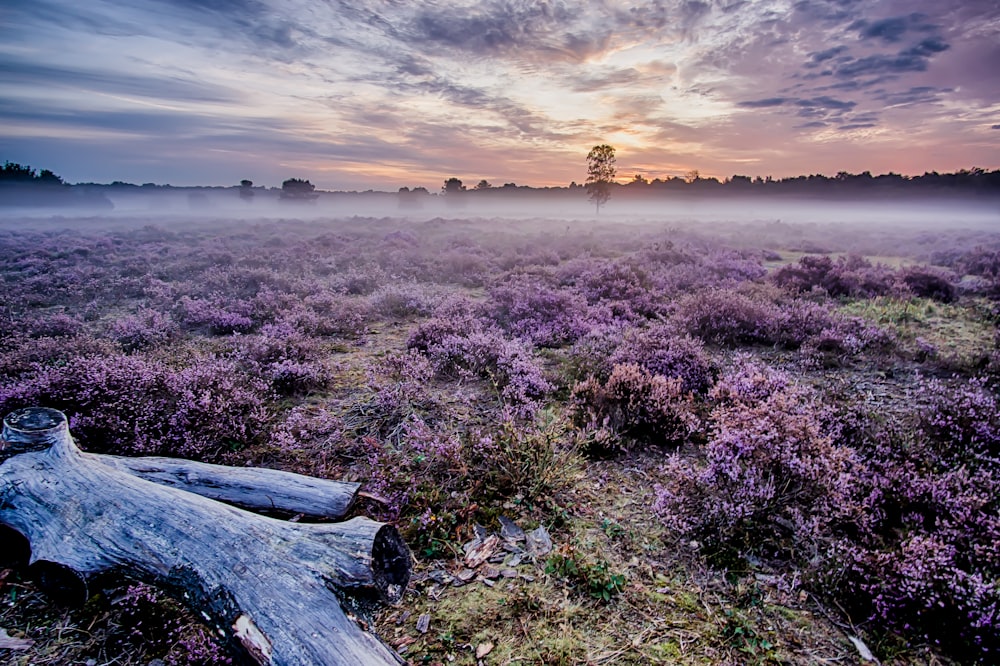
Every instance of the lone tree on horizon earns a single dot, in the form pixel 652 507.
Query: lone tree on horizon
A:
pixel 296 189
pixel 600 174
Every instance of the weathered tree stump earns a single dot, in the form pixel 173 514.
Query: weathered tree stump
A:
pixel 272 586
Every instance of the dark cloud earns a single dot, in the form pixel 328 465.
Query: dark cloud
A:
pixel 822 56
pixel 892 29
pixel 889 30
pixel 812 124
pixel 73 17
pixel 764 103
pixel 854 126
pixel 502 27
pixel 882 64
pixel 996 127
pixel 927 47
pixel 18 72
pixel 914 95
pixel 826 103
pixel 146 123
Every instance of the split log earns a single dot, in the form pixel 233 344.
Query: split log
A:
pixel 269 585
pixel 256 489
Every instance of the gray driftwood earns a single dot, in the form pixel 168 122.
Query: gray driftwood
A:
pixel 272 586
pixel 252 488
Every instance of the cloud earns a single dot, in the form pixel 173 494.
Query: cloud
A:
pixel 502 27
pixel 927 47
pixel 819 57
pixel 881 64
pixel 764 103
pixel 894 28
pixel 17 72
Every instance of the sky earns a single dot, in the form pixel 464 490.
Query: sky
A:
pixel 379 94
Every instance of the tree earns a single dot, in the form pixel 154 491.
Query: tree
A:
pixel 600 174
pixel 483 185
pixel 452 186
pixel 246 190
pixel 295 189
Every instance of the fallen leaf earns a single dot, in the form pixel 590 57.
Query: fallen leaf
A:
pixel 11 643
pixel 482 551
pixel 483 649
pixel 863 650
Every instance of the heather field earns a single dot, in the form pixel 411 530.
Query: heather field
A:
pixel 752 442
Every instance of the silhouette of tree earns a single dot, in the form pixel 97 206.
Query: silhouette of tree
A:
pixel 452 186
pixel 295 189
pixel 483 185
pixel 600 174
pixel 46 177
pixel 246 190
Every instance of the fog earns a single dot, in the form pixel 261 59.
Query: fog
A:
pixel 184 207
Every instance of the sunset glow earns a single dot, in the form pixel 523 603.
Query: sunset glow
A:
pixel 379 94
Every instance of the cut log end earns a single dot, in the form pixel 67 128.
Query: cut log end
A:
pixel 31 429
pixel 390 563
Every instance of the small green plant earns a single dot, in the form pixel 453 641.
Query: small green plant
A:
pixel 743 637
pixel 611 528
pixel 591 575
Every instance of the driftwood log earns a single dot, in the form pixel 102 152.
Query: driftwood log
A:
pixel 272 587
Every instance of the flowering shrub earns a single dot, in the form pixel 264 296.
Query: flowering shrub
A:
pixel 926 283
pixel 899 526
pixel 147 618
pixel 432 478
pixel 460 345
pixel 506 363
pixel 146 328
pixel 750 316
pixel 661 351
pixel 327 313
pixel 401 301
pixel 636 404
pixel 772 480
pixel 132 404
pixel 924 557
pixel 57 325
pixel 846 337
pixel 547 317
pixel 214 314
pixel 963 421
pixel 852 276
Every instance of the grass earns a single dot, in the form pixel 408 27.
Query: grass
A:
pixel 668 609
pixel 962 333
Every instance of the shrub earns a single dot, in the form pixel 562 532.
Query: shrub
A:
pixel 507 364
pixel 750 316
pixel 402 301
pixel 146 328
pixel 852 276
pixel 132 404
pixel 924 557
pixel 926 283
pixel 636 404
pixel 544 316
pixel 661 351
pixel 772 481
pixel 212 314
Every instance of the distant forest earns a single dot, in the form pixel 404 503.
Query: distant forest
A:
pixel 18 182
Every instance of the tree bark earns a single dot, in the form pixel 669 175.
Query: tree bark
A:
pixel 261 490
pixel 264 583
